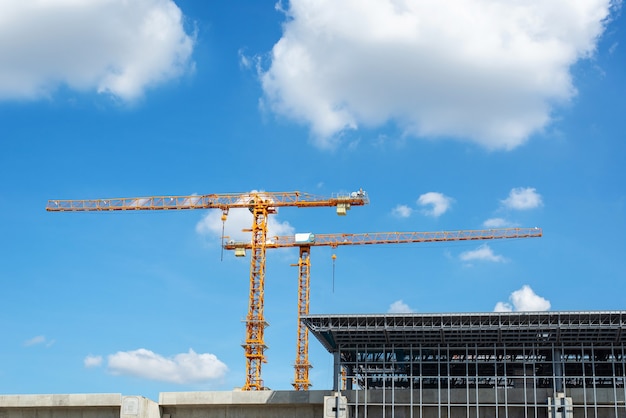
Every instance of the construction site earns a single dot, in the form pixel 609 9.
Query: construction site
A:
pixel 504 364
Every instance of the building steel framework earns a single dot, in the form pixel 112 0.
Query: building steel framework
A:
pixel 479 365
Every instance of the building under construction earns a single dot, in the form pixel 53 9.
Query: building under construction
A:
pixel 514 364
pixel 556 364
pixel 474 365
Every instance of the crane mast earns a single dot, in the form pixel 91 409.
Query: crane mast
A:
pixel 306 241
pixel 254 346
pixel 302 365
pixel 261 204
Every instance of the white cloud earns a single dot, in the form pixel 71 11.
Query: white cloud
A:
pixel 116 47
pixel 40 339
pixel 182 368
pixel 524 299
pixel 496 223
pixel 487 71
pixel 399 307
pixel 482 253
pixel 237 220
pixel 92 361
pixel 503 307
pixel 438 202
pixel 522 198
pixel 245 61
pixel 402 211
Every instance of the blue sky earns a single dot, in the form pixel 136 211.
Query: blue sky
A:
pixel 487 114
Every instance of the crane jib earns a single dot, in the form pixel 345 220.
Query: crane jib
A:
pixel 219 201
pixel 340 239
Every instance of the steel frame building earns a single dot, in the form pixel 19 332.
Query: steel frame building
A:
pixel 513 364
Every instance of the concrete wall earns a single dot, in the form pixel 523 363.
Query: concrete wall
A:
pixel 237 404
pixel 103 405
pixel 309 404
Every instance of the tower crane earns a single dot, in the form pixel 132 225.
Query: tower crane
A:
pixel 261 204
pixel 307 240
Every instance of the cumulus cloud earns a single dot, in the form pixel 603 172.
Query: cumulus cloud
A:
pixel 115 47
pixel 399 307
pixel 438 202
pixel 402 211
pixel 237 220
pixel 92 361
pixel 482 253
pixel 524 299
pixel 487 71
pixel 503 307
pixel 523 198
pixel 183 368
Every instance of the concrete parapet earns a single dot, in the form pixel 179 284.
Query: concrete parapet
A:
pixel 65 400
pixel 100 405
pixel 237 404
pixel 242 398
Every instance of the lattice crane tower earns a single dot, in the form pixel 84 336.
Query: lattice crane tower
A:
pixel 261 204
pixel 306 241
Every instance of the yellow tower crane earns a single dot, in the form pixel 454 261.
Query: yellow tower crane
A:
pixel 306 241
pixel 261 204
